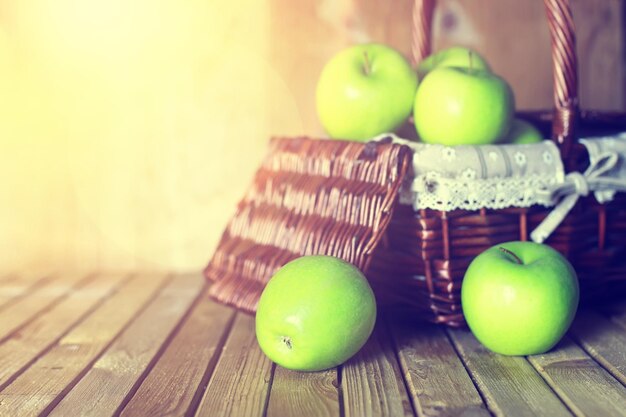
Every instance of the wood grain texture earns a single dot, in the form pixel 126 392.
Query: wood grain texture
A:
pixel 39 298
pixel 435 376
pixel 600 43
pixel 581 383
pixel 43 383
pixel 154 345
pixel 603 340
pixel 102 390
pixel 240 383
pixel 616 312
pixel 31 340
pixel 509 384
pixel 171 386
pixel 372 381
pixel 296 394
pixel 18 284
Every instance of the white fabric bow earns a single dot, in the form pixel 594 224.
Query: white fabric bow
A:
pixel 574 186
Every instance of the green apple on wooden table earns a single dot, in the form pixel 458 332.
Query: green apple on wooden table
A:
pixel 456 56
pixel 462 106
pixel 519 298
pixel 365 90
pixel 523 132
pixel 315 313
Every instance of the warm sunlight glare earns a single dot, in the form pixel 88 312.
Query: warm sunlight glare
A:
pixel 129 128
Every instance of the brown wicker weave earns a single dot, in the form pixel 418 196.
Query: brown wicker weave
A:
pixel 440 245
pixel 308 197
pixel 338 198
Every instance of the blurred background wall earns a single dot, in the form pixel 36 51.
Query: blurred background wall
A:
pixel 129 129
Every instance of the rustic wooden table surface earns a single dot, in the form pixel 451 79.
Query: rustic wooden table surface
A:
pixel 75 344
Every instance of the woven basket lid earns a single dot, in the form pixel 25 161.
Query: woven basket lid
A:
pixel 309 196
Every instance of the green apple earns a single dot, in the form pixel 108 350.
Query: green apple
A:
pixel 462 106
pixel 365 90
pixel 456 56
pixel 519 298
pixel 315 313
pixel 522 132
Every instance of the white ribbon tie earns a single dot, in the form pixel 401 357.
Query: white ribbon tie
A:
pixel 574 186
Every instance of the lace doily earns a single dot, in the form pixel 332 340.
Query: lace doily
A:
pixel 473 177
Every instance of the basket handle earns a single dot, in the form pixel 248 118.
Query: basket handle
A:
pixel 564 71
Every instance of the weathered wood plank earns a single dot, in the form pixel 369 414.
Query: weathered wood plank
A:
pixel 509 384
pixel 17 285
pixel 49 378
pixel 603 340
pixel 617 312
pixel 105 386
pixel 372 382
pixel 171 386
pixel 241 380
pixel 38 299
pixel 435 376
pixel 24 345
pixel 296 394
pixel 587 388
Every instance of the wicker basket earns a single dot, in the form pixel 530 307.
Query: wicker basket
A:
pixel 339 198
pixel 438 245
pixel 309 196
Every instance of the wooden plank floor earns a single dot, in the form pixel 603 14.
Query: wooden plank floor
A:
pixel 140 344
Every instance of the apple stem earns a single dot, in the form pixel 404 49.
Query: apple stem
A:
pixel 287 341
pixel 510 253
pixel 367 68
pixel 471 60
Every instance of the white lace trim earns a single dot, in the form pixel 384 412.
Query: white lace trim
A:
pixel 473 177
pixel 502 176
pixel 430 192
